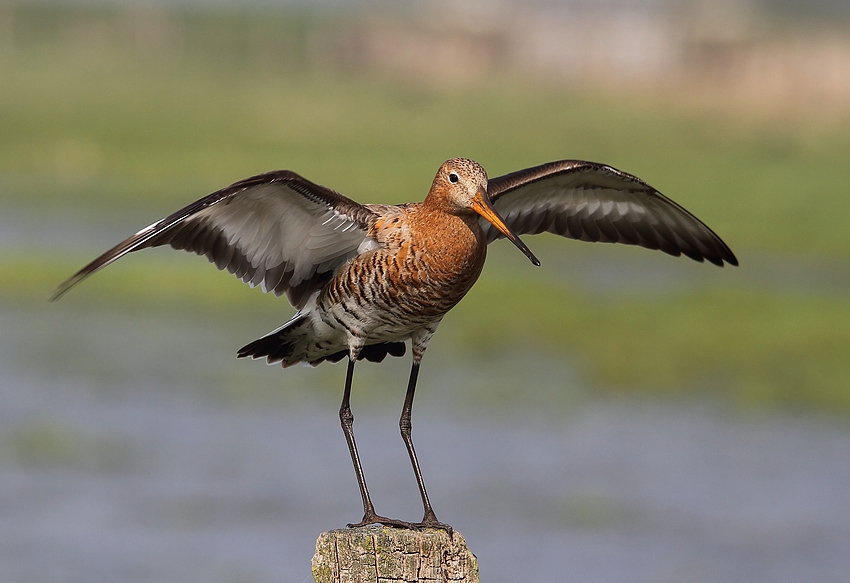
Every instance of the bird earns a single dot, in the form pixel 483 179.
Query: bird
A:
pixel 367 278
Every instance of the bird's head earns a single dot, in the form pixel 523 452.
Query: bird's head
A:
pixel 460 186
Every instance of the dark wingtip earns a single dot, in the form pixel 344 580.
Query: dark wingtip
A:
pixel 57 293
pixel 256 349
pixel 720 260
pixel 66 286
pixel 725 255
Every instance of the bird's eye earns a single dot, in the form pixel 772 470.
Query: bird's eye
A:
pixel 453 177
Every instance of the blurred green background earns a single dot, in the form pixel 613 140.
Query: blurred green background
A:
pixel 133 111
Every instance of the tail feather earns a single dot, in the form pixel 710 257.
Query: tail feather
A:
pixel 372 352
pixel 281 345
pixel 296 342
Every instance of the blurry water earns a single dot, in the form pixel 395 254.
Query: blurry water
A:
pixel 135 447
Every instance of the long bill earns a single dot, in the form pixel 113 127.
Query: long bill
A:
pixel 481 204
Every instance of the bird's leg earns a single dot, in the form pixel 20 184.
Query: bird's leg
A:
pixel 346 418
pixel 404 423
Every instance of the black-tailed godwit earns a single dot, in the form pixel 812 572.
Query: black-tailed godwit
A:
pixel 367 278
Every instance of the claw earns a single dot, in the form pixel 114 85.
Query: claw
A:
pixel 432 522
pixel 377 519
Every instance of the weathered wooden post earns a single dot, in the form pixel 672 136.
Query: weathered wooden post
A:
pixel 381 554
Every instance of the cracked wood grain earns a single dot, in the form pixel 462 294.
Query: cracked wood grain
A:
pixel 381 554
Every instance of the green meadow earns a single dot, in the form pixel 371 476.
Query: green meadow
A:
pixel 97 123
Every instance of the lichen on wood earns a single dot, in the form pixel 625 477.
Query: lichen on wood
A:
pixel 382 554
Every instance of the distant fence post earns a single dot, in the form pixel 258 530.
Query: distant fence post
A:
pixel 381 554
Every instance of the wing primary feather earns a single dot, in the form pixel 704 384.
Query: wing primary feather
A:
pixel 574 227
pixel 608 230
pixel 626 231
pixel 224 255
pixel 591 231
pixel 273 277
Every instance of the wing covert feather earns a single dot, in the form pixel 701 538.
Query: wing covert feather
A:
pixel 277 230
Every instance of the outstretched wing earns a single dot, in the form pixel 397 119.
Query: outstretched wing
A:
pixel 594 202
pixel 277 230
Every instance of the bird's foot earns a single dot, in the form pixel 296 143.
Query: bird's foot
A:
pixel 372 518
pixel 430 521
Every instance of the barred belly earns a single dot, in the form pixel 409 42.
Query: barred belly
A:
pixel 378 298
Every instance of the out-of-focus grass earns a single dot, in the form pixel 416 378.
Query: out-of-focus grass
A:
pixel 758 349
pixel 104 123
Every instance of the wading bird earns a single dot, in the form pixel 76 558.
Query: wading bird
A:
pixel 367 278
